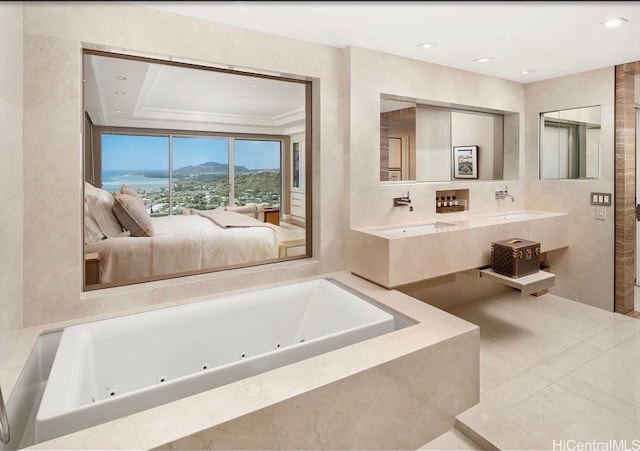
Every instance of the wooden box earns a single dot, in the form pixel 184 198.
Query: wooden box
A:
pixel 515 257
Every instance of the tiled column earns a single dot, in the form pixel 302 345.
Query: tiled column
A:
pixel 625 186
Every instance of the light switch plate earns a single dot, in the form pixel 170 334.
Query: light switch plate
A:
pixel 601 214
pixel 601 199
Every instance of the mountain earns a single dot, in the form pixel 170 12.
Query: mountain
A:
pixel 210 167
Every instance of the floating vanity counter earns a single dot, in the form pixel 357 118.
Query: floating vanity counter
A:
pixel 395 255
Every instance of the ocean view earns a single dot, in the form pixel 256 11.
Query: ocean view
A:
pixel 113 180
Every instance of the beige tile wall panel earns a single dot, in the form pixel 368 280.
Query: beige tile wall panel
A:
pixel 54 35
pixel 11 179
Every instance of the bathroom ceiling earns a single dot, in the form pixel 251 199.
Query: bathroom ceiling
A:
pixel 553 38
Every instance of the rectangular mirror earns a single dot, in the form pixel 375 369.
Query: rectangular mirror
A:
pixel 190 169
pixel 570 144
pixel 419 141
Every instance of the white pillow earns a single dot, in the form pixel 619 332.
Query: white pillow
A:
pixel 92 232
pixel 100 204
pixel 133 216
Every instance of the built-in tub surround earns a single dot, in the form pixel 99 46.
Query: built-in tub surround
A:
pixel 108 369
pixel 421 253
pixel 429 371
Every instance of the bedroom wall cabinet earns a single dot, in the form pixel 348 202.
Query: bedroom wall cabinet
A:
pixel 298 204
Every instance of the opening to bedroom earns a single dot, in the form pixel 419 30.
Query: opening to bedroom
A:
pixel 191 169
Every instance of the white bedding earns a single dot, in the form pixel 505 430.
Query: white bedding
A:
pixel 181 244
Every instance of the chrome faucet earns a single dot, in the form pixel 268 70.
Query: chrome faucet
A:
pixel 504 194
pixel 405 200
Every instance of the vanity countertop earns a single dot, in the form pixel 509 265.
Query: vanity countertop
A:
pixel 395 255
pixel 441 224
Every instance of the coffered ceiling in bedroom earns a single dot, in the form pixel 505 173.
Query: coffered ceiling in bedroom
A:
pixel 553 38
pixel 130 93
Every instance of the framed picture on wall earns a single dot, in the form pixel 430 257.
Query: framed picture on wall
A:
pixel 465 162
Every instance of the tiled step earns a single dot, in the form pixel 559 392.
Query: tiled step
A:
pixel 453 439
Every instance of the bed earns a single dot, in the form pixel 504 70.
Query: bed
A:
pixel 177 243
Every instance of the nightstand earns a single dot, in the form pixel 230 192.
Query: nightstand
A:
pixel 272 215
pixel 91 268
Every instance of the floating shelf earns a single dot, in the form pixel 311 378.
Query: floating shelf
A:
pixel 532 283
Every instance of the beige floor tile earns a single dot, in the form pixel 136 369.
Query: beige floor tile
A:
pixel 495 369
pixel 617 372
pixel 554 414
pixel 498 349
pixel 632 344
pixel 602 398
pixel 510 392
pixel 534 341
pixel 621 331
pixel 573 358
pixel 553 369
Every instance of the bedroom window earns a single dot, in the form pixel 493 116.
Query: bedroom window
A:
pixel 257 172
pixel 175 172
pixel 200 173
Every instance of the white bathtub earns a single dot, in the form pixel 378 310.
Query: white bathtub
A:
pixel 113 368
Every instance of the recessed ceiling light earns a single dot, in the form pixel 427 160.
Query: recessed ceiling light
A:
pixel 119 93
pixel 120 77
pixel 614 22
pixel 528 71
pixel 484 59
pixel 118 111
pixel 427 45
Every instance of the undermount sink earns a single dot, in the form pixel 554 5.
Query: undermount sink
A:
pixel 516 215
pixel 415 228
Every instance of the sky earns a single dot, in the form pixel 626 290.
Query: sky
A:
pixel 135 152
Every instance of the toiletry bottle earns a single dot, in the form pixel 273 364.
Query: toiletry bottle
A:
pixel 450 201
pixel 455 202
pixel 439 202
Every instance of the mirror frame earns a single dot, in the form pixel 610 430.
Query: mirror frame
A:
pixel 87 140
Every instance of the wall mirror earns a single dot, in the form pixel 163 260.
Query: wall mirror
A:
pixel 418 141
pixel 570 144
pixel 191 169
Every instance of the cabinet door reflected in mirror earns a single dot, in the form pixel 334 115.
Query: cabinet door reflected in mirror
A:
pixel 570 144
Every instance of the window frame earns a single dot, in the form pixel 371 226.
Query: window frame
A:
pixel 96 156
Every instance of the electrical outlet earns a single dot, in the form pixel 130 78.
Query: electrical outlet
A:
pixel 601 214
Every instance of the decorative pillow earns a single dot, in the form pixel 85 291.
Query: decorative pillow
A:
pixel 132 214
pixel 92 232
pixel 100 205
pixel 124 189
